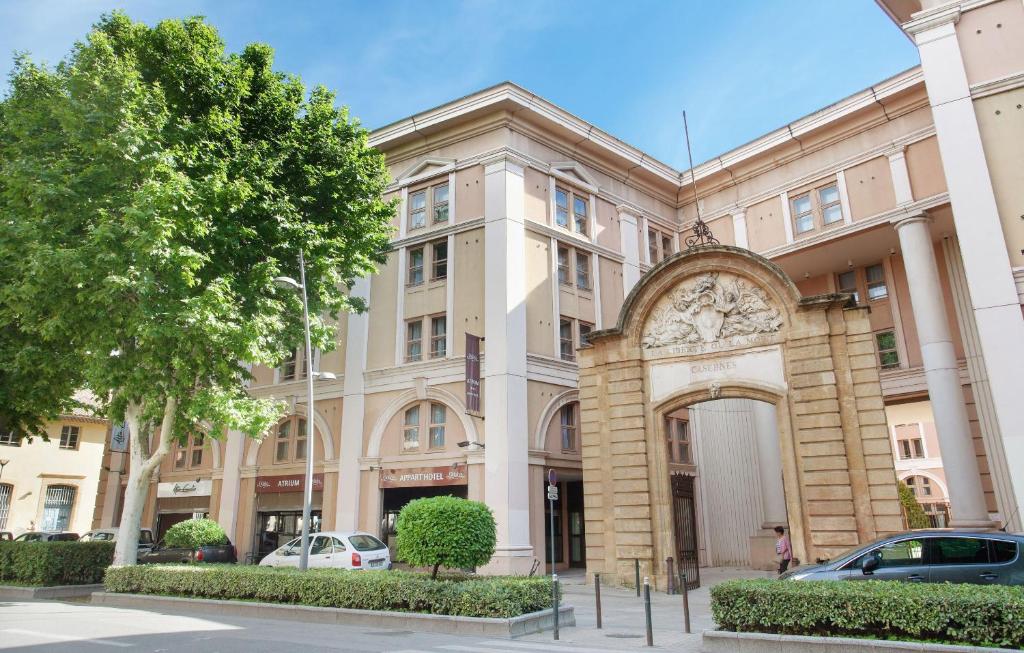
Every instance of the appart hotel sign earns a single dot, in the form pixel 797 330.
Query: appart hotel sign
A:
pixel 424 476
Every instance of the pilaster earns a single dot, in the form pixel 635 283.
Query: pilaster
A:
pixel 630 248
pixel 227 512
pixel 352 414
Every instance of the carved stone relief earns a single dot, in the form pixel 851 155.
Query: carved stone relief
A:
pixel 709 308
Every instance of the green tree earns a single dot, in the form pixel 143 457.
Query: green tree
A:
pixel 911 508
pixel 194 533
pixel 152 185
pixel 445 531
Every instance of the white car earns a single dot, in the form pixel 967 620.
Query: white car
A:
pixel 339 550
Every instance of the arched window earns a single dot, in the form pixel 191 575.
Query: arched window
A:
pixel 6 492
pixel 413 432
pixel 290 440
pixel 60 499
pixel 189 455
pixel 921 485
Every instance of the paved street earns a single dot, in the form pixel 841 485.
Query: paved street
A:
pixel 66 626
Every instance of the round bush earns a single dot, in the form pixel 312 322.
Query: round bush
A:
pixel 446 531
pixel 194 533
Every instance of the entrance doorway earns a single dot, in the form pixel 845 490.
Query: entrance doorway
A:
pixel 569 536
pixel 394 499
pixel 684 513
pixel 165 520
pixel 277 528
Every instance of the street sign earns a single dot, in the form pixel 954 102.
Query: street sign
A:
pixel 552 477
pixel 552 493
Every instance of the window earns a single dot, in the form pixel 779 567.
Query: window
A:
pixel 415 266
pixel 438 337
pixel 876 282
pixel 9 438
pixel 828 200
pixel 414 340
pixel 288 366
pixel 579 214
pixel 438 417
pixel 291 437
pixel 411 429
pixel 652 245
pixel 440 203
pixel 678 431
pixel 921 485
pixel 566 347
pixel 567 418
pixel 189 453
pixel 69 437
pixel 418 210
pixel 957 551
pixel 847 282
pixel 1002 551
pixel 440 263
pixel 803 213
pixel 582 271
pixel 909 441
pixel 57 508
pixel 911 449
pixel 563 266
pixel 899 554
pixel 6 492
pixel 888 357
pixel 561 208
pixel 666 246
pixel 585 330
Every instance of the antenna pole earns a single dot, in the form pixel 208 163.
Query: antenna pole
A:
pixel 701 232
pixel 689 154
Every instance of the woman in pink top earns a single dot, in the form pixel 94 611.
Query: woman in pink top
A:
pixel 783 549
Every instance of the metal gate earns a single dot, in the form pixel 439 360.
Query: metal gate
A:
pixel 57 507
pixel 685 518
pixel 5 505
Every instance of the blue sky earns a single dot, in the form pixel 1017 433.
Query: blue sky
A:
pixel 739 67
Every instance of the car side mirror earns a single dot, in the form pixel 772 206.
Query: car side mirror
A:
pixel 869 565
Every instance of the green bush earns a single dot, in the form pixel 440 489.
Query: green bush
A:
pixel 911 508
pixel 194 533
pixel 980 615
pixel 394 591
pixel 55 563
pixel 445 531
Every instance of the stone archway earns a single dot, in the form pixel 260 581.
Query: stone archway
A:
pixel 724 322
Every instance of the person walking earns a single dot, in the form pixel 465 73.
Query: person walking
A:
pixel 783 549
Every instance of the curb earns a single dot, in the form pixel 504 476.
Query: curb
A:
pixel 20 593
pixel 721 641
pixel 526 624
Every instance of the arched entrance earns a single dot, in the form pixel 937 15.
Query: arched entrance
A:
pixel 719 323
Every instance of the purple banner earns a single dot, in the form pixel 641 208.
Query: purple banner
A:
pixel 472 373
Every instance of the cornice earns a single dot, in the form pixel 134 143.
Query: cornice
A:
pixel 929 19
pixel 570 238
pixel 996 86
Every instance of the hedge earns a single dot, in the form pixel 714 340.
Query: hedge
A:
pixel 980 615
pixel 55 563
pixel 394 591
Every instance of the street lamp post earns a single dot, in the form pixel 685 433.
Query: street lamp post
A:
pixel 307 501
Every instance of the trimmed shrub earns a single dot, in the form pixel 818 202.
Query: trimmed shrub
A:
pixel 980 615
pixel 445 531
pixel 194 533
pixel 394 591
pixel 55 563
pixel 911 508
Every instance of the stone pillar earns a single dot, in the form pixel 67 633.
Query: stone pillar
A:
pixel 966 497
pixel 352 413
pixel 227 512
pixel 506 461
pixel 769 465
pixel 630 248
pixel 739 228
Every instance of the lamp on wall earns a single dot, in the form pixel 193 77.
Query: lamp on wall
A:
pixel 466 443
pixel 3 463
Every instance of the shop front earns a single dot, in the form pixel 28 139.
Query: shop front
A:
pixel 400 486
pixel 279 510
pixel 177 501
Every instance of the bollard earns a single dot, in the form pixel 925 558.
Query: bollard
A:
pixel 637 561
pixel 671 588
pixel 647 611
pixel 686 607
pixel 597 597
pixel 554 594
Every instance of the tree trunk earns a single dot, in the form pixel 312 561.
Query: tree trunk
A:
pixel 434 574
pixel 142 464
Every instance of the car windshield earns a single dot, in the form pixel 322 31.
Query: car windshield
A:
pixel 29 537
pixel 365 543
pixel 97 537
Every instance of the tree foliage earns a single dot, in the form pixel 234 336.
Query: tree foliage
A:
pixel 446 531
pixel 152 185
pixel 194 533
pixel 916 518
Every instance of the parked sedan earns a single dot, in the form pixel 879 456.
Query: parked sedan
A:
pixel 162 553
pixel 928 556
pixel 341 550
pixel 46 536
pixel 110 535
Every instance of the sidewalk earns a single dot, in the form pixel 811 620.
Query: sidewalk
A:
pixel 623 615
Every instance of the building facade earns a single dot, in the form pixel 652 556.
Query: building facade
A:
pixel 528 227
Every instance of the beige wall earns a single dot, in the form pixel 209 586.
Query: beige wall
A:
pixel 990 40
pixel 870 188
pixel 1001 121
pixel 469 287
pixel 540 337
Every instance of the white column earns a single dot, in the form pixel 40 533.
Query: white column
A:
pixel 353 411
pixel 966 497
pixel 769 465
pixel 556 310
pixel 227 512
pixel 844 197
pixel 787 217
pixel 506 462
pixel 403 278
pixel 900 177
pixel 449 301
pixel 983 247
pixel 739 228
pixel 598 319
pixel 645 246
pixel 630 249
